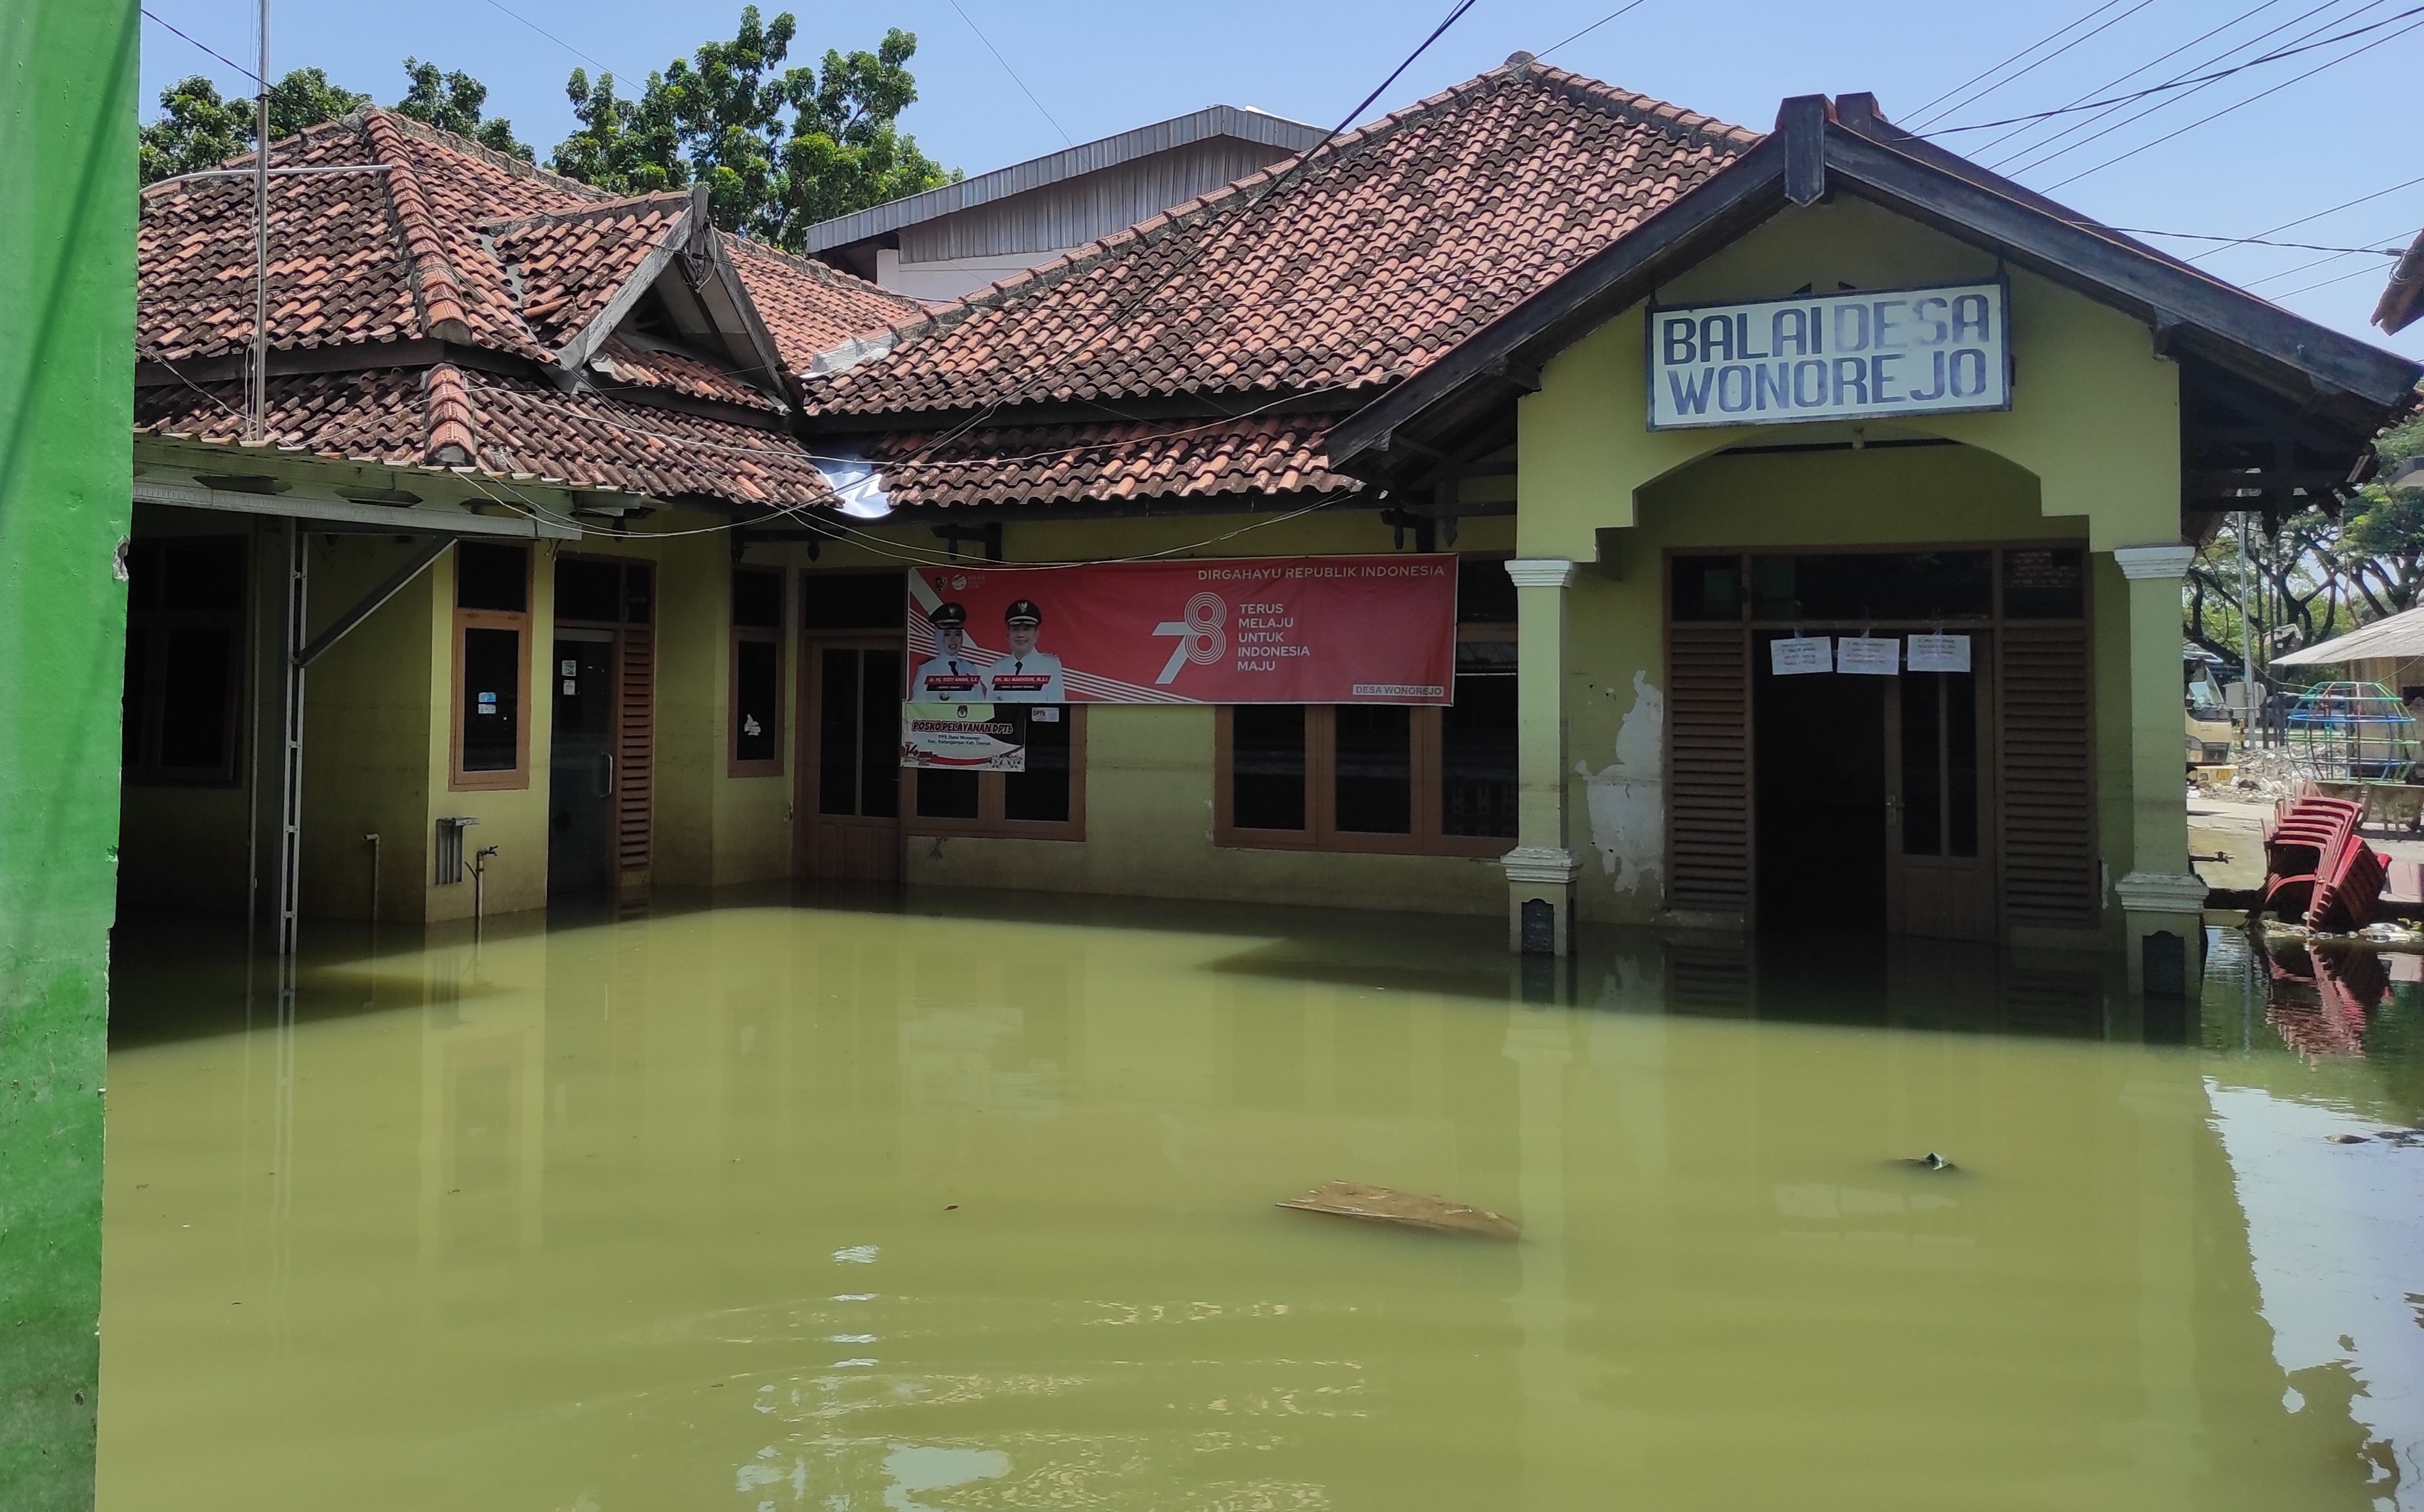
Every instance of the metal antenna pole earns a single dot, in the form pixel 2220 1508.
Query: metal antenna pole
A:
pixel 256 406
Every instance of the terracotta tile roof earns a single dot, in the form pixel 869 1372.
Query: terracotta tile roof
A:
pixel 1378 254
pixel 1157 460
pixel 514 429
pixel 622 362
pixel 449 235
pixel 811 308
pixel 450 241
pixel 572 263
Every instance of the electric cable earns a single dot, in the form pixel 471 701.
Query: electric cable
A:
pixel 1096 332
pixel 2242 241
pixel 2177 83
pixel 2012 79
pixel 2312 262
pixel 1542 54
pixel 1047 114
pixel 924 458
pixel 2343 278
pixel 2345 204
pixel 552 37
pixel 2040 153
pixel 2355 51
pixel 2125 77
pixel 152 15
pixel 2024 52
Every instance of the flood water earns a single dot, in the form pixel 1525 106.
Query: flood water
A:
pixel 840 1202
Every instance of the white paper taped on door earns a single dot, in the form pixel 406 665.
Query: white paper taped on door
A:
pixel 1939 653
pixel 1800 654
pixel 1868 656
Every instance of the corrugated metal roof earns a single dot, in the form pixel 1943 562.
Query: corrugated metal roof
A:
pixel 2399 635
pixel 1086 157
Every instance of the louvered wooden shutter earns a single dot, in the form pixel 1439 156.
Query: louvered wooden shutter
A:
pixel 636 752
pixel 2045 731
pixel 1708 769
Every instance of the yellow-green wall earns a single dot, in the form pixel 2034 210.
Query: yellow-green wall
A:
pixel 1149 769
pixel 367 715
pixel 2088 452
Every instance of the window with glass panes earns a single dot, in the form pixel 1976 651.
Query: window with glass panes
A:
pixel 491 665
pixel 1047 802
pixel 1393 777
pixel 756 673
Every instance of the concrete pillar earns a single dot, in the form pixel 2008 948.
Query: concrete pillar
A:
pixel 1540 871
pixel 2160 894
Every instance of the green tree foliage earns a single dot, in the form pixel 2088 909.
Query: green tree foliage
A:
pixel 2312 577
pixel 199 130
pixel 451 102
pixel 779 148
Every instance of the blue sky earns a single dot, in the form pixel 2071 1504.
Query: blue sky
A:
pixel 2297 146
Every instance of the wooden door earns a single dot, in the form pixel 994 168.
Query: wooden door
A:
pixel 849 799
pixel 1939 806
pixel 581 770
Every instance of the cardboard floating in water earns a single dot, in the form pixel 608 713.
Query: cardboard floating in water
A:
pixel 1412 1210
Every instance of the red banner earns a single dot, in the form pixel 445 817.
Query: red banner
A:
pixel 1303 629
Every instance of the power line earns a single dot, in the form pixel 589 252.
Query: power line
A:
pixel 154 16
pixel 2024 52
pixel 1595 25
pixel 2324 285
pixel 2177 83
pixel 2294 270
pixel 2248 240
pixel 2041 148
pixel 2009 79
pixel 2242 104
pixel 2132 73
pixel 1095 334
pixel 552 37
pixel 1006 69
pixel 2345 204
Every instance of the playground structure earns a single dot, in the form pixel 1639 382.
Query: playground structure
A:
pixel 2351 732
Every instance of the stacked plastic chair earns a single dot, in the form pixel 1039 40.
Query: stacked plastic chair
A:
pixel 2317 869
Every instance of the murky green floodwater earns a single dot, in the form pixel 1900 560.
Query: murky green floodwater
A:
pixel 816 1202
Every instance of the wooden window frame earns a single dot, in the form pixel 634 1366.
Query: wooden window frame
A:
pixel 147 772
pixel 518 776
pixel 990 824
pixel 733 764
pixel 1321 832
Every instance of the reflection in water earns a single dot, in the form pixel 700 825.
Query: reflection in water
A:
pixel 823 1200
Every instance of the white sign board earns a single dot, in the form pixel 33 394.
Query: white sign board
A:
pixel 1939 653
pixel 1831 357
pixel 1792 657
pixel 1868 656
pixel 960 738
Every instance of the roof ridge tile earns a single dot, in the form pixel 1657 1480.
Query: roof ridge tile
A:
pixel 521 168
pixel 434 284
pixel 503 227
pixel 447 441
